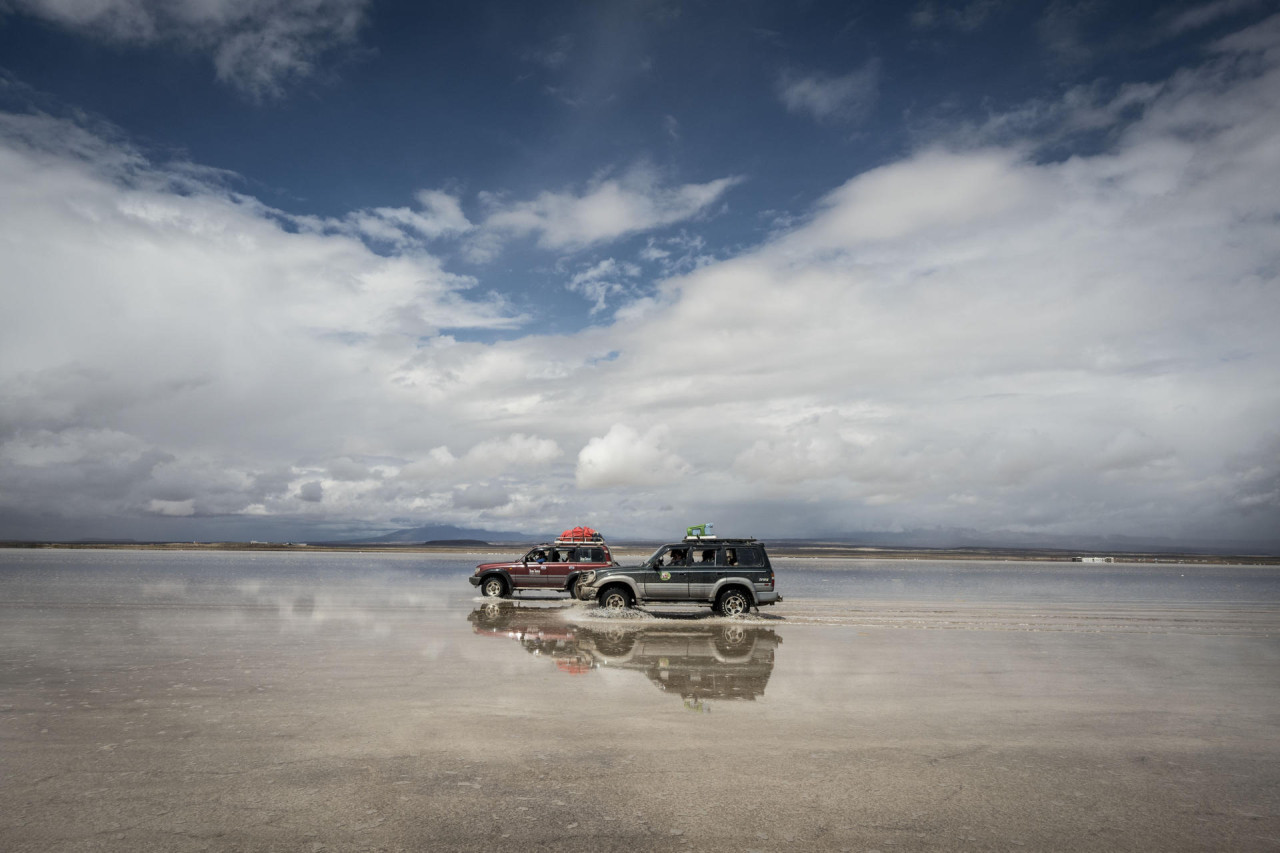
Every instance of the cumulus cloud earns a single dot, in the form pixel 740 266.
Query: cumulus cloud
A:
pixel 259 46
pixel 166 340
pixel 844 98
pixel 610 207
pixel 971 335
pixel 625 457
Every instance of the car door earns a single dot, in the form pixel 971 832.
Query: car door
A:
pixel 534 568
pixel 704 570
pixel 557 571
pixel 668 575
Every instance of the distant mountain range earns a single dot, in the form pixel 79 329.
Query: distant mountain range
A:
pixel 936 538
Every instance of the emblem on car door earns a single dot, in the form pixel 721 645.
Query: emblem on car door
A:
pixel 666 576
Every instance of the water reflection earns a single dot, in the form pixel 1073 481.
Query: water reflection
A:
pixel 697 662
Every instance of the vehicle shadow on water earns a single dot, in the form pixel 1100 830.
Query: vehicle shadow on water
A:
pixel 698 657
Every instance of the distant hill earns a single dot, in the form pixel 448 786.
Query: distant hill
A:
pixel 436 532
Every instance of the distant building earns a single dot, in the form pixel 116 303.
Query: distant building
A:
pixel 1093 559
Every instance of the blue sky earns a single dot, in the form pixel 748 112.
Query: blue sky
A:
pixel 304 268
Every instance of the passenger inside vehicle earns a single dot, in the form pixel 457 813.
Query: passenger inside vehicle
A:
pixel 708 556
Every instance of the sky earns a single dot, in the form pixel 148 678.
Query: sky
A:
pixel 310 269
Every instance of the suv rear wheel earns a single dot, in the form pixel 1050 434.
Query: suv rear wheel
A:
pixel 733 602
pixel 616 597
pixel 494 587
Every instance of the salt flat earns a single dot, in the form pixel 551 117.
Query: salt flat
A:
pixel 161 701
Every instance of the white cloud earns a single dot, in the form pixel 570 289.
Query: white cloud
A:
pixel 440 215
pixel 844 98
pixel 966 18
pixel 609 208
pixel 206 338
pixel 624 457
pixel 970 336
pixel 257 45
pixel 1205 13
pixel 603 280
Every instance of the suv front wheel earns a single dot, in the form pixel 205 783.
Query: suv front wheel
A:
pixel 616 597
pixel 733 602
pixel 494 587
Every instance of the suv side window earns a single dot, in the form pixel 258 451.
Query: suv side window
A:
pixel 593 555
pixel 740 555
pixel 705 557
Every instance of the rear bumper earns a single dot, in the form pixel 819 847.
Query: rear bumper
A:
pixel 767 597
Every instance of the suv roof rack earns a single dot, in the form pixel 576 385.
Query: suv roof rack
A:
pixel 593 539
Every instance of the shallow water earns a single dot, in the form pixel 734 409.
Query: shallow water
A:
pixel 190 700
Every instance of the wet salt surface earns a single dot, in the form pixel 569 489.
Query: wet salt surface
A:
pixel 174 701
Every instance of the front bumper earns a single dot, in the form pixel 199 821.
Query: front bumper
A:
pixel 475 580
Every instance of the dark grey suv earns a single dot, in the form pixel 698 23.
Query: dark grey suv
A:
pixel 731 575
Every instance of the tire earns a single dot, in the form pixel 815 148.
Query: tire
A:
pixel 733 601
pixel 616 597
pixel 494 587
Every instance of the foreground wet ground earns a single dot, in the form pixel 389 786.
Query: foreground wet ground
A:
pixel 160 701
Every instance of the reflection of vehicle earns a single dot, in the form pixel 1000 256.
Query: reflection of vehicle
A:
pixel 550 566
pixel 732 575
pixel 539 630
pixel 696 661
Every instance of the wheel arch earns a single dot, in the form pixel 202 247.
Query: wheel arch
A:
pixel 626 583
pixel 629 583
pixel 501 573
pixel 741 583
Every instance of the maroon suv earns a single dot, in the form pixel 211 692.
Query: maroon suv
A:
pixel 552 565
